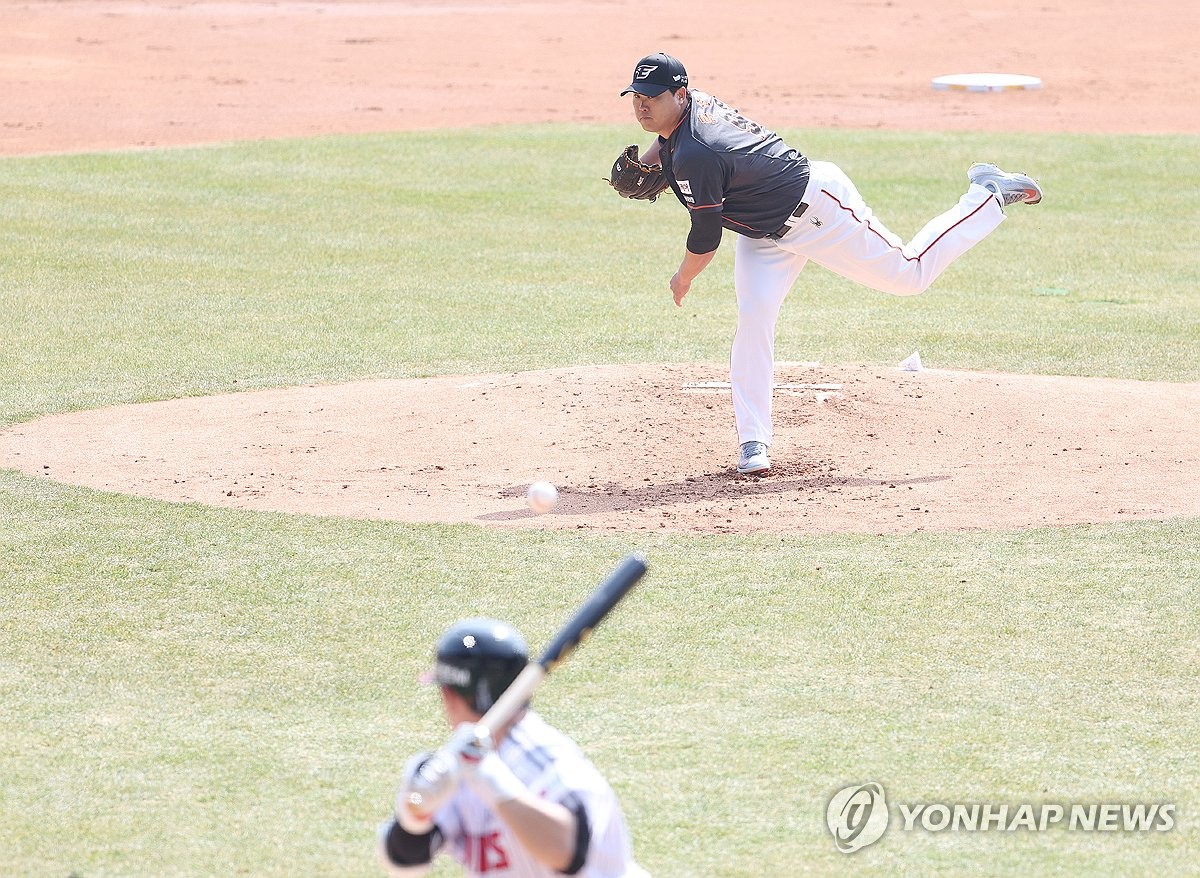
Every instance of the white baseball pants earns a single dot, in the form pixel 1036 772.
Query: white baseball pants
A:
pixel 839 232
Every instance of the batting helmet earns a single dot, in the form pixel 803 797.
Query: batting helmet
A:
pixel 479 658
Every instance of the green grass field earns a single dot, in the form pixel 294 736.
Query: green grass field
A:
pixel 194 691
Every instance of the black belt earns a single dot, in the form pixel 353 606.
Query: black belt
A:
pixel 791 221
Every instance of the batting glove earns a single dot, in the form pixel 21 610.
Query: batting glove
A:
pixel 484 771
pixel 429 780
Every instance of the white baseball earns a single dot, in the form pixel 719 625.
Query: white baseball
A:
pixel 541 497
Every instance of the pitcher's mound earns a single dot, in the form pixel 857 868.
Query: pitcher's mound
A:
pixel 652 447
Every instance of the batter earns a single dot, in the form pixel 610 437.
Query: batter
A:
pixel 528 804
pixel 732 173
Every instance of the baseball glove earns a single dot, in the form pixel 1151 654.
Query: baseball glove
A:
pixel 632 178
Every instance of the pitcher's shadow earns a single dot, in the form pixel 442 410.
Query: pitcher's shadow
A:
pixel 724 485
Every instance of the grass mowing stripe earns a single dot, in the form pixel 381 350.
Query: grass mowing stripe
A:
pixel 188 271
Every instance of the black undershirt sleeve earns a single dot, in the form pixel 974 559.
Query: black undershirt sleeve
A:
pixel 583 835
pixel 705 235
pixel 405 849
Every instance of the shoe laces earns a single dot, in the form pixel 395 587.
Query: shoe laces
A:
pixel 751 449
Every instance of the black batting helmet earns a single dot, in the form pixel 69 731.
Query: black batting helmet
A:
pixel 479 658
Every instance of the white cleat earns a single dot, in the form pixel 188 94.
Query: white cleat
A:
pixel 753 460
pixel 1009 188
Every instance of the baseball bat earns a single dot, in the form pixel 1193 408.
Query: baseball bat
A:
pixel 434 772
pixel 589 614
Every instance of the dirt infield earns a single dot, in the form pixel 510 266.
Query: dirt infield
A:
pixel 857 448
pixel 88 74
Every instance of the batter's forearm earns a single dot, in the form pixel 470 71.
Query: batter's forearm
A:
pixel 546 829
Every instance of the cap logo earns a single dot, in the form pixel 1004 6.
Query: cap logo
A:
pixel 645 70
pixel 469 641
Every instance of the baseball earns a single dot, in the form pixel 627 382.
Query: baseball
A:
pixel 541 497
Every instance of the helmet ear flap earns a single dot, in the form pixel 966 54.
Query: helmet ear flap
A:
pixel 479 658
pixel 483 696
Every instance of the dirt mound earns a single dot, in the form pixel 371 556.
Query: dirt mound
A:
pixel 651 447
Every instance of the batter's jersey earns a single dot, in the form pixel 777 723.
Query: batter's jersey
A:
pixel 717 159
pixel 552 766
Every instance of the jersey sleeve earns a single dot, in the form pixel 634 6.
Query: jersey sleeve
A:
pixel 700 176
pixel 701 180
pixel 574 782
pixel 553 767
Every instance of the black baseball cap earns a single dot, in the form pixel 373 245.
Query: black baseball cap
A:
pixel 656 73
